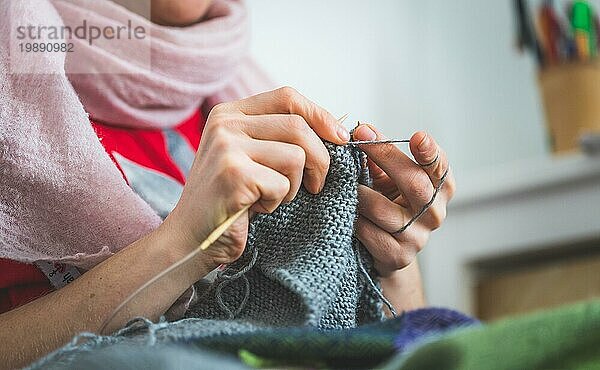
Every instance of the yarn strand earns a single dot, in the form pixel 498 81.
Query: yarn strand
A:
pixel 372 284
pixel 227 279
pixel 426 206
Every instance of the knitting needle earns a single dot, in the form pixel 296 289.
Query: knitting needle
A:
pixel 342 118
pixel 369 142
pixel 216 234
pixel 373 142
pixel 212 237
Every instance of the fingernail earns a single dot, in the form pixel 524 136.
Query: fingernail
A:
pixel 343 133
pixel 423 145
pixel 367 133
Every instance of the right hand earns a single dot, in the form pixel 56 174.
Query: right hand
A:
pixel 256 151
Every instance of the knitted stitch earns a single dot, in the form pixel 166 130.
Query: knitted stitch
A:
pixel 300 268
pixel 305 268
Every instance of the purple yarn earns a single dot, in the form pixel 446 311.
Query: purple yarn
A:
pixel 427 323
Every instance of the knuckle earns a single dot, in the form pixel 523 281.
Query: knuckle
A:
pixel 420 240
pixel 239 198
pixel 438 215
pixel 298 125
pixel 220 139
pixel 398 261
pixel 387 151
pixel 282 187
pixel 219 108
pixel 420 186
pixel 268 207
pixel 297 157
pixel 231 167
pixel 287 93
pixel 323 160
pixel 391 254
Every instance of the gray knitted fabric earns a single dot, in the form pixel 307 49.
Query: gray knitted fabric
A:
pixel 303 260
pixel 302 267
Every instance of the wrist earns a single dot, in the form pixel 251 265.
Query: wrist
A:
pixel 178 244
pixel 404 288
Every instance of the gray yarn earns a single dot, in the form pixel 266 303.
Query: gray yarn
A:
pixel 302 266
pixel 163 357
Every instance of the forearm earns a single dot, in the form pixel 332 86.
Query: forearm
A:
pixel 404 288
pixel 47 323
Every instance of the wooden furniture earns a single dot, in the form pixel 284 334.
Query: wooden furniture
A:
pixel 543 281
pixel 537 208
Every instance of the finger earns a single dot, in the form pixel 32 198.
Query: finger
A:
pixel 409 177
pixel 293 129
pixel 436 213
pixel 388 254
pixel 382 182
pixel 286 159
pixel 268 186
pixel 377 174
pixel 401 201
pixel 449 185
pixel 429 155
pixel 384 213
pixel 287 100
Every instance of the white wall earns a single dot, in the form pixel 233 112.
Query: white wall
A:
pixel 349 56
pixel 449 67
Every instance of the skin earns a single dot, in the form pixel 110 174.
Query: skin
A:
pixel 245 140
pixel 178 13
pixel 400 189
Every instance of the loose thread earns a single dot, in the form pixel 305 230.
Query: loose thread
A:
pixel 227 279
pixel 372 284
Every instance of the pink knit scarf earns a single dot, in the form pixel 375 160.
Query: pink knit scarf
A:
pixel 61 197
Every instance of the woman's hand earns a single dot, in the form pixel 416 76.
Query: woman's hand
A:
pixel 401 188
pixel 257 152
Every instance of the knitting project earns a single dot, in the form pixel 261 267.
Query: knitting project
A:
pixel 302 266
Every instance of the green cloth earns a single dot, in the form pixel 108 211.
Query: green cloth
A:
pixel 564 338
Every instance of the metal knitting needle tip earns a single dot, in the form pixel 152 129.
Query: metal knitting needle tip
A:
pixel 342 118
pixel 374 142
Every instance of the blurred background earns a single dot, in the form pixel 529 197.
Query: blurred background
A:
pixel 523 232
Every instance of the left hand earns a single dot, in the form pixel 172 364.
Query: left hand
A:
pixel 401 187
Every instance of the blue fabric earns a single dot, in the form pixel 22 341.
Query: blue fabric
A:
pixel 429 323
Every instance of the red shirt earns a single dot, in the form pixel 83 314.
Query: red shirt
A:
pixel 155 164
